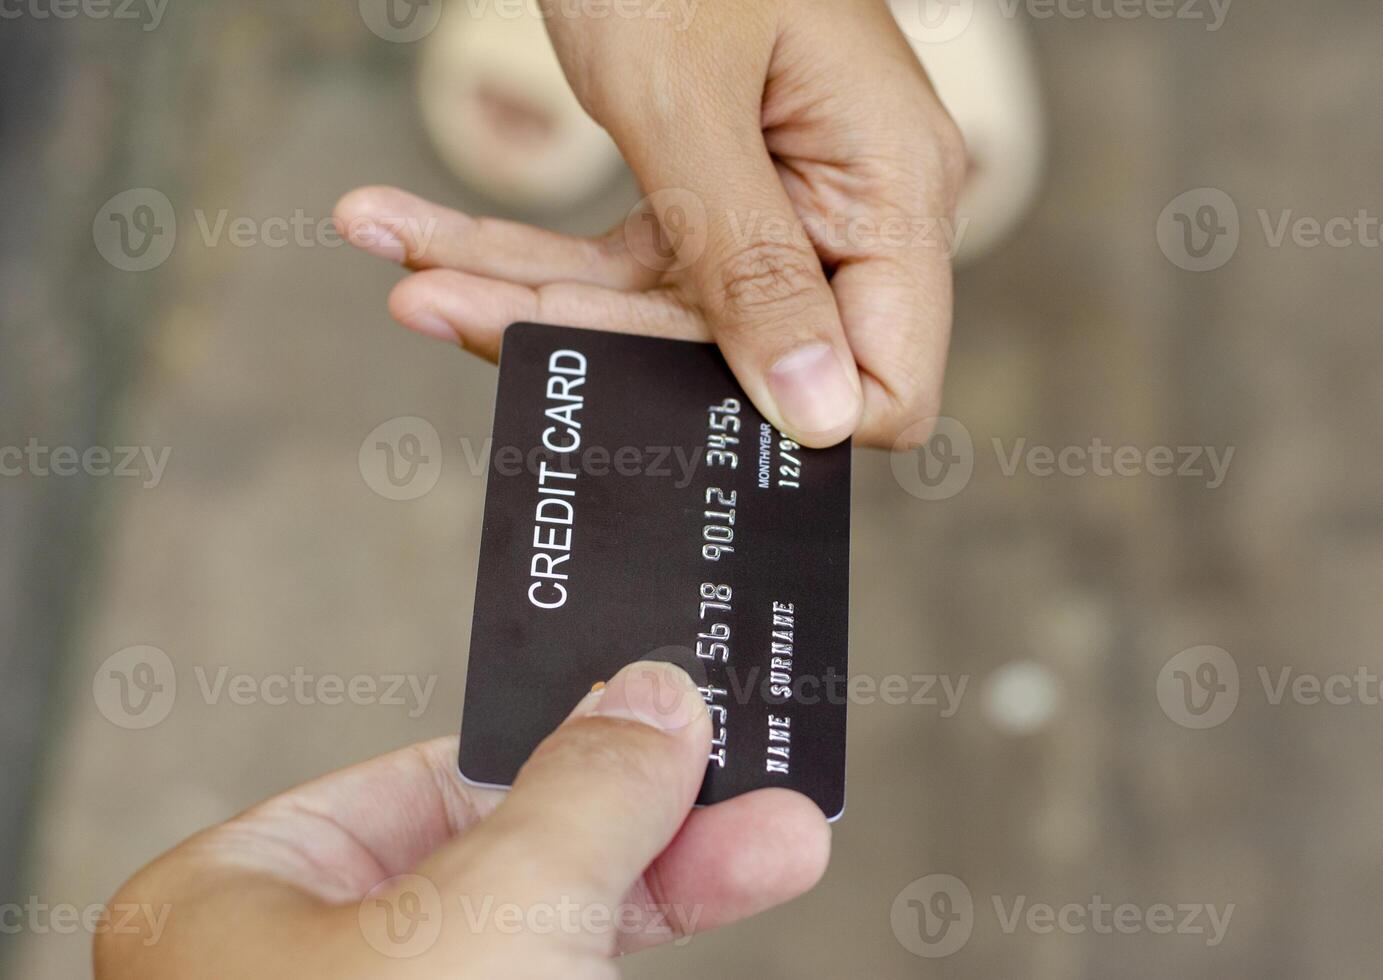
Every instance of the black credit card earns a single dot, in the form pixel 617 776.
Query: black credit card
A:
pixel 638 507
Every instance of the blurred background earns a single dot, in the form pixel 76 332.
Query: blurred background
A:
pixel 1134 582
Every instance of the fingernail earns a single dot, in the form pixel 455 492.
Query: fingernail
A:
pixel 586 706
pixel 659 695
pixel 813 391
pixel 429 323
pixel 376 238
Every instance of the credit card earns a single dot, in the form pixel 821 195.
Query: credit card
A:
pixel 638 507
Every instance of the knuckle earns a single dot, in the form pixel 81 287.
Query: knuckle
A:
pixel 947 153
pixel 933 156
pixel 765 275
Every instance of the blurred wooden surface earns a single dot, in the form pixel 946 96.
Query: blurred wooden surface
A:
pixel 263 548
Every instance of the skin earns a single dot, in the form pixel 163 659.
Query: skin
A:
pixel 799 170
pixel 791 151
pixel 599 820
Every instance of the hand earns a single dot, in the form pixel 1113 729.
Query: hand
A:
pixel 802 179
pixel 395 868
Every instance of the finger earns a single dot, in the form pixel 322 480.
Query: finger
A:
pixel 893 280
pixel 474 311
pixel 893 286
pixel 340 835
pixel 727 863
pixel 898 316
pixel 758 281
pixel 419 234
pixel 596 802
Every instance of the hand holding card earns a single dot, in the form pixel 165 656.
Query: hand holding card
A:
pixel 593 853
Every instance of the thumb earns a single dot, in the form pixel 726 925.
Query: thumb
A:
pixel 754 272
pixel 600 798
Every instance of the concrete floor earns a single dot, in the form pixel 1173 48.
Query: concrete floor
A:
pixel 262 549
